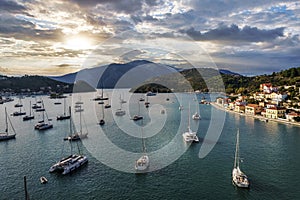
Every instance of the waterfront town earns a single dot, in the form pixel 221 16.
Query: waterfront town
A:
pixel 270 103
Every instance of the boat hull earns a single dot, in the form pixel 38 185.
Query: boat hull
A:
pixel 69 164
pixel 4 137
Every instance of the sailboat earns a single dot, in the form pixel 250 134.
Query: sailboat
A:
pixel 102 122
pixel 19 104
pixel 29 117
pixel 238 177
pixel 5 135
pixel 42 125
pixel 196 116
pixel 69 163
pixel 119 111
pixel 138 116
pixel 190 136
pixel 147 102
pixel 143 162
pixel 20 112
pixel 122 100
pixel 64 116
pixel 74 135
pixel 101 97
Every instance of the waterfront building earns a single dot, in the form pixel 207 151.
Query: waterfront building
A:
pixel 253 109
pixel 275 112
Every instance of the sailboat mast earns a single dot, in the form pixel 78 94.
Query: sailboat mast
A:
pixel 189 115
pixel 29 108
pixel 236 157
pixel 70 121
pixel 143 141
pixel 64 106
pixel 80 122
pixel 6 122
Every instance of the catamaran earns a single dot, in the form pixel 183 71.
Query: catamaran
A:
pixel 143 162
pixel 238 177
pixel 190 136
pixel 5 135
pixel 71 162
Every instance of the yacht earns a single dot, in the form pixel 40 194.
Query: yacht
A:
pixel 69 164
pixel 190 136
pixel 238 177
pixel 142 163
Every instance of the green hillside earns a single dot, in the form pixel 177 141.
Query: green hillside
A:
pixel 32 84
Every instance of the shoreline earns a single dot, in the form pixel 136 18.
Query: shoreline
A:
pixel 255 116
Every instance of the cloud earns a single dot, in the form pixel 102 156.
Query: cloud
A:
pixel 234 33
pixel 8 6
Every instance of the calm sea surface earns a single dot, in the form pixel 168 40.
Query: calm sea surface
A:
pixel 270 153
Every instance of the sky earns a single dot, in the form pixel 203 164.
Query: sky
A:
pixel 57 37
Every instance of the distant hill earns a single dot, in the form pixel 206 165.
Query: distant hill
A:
pixel 32 84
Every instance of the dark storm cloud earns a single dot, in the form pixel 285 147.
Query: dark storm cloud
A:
pixel 126 6
pixel 11 7
pixel 21 29
pixel 234 33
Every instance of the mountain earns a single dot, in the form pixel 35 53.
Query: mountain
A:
pixel 228 72
pixel 117 75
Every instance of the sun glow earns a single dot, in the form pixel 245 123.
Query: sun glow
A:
pixel 78 43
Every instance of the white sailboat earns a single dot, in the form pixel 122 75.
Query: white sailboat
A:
pixel 43 124
pixel 20 112
pixel 137 116
pixel 189 135
pixel 196 115
pixel 64 116
pixel 5 135
pixel 120 111
pixel 238 177
pixel 101 97
pixel 143 162
pixel 30 116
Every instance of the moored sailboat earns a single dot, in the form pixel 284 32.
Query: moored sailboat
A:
pixel 43 124
pixel 74 135
pixel 238 177
pixel 64 116
pixel 6 135
pixel 30 116
pixel 143 162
